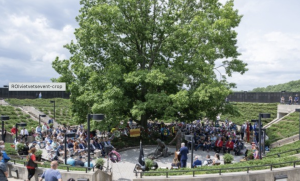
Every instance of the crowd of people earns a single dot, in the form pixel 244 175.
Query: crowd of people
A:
pixel 52 141
pixel 216 136
pixel 290 100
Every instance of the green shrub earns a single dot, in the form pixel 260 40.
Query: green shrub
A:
pixel 99 163
pixel 228 158
pixel 38 153
pixel 10 150
pixel 148 163
pixel 20 146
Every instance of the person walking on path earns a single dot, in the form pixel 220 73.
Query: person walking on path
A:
pixel 3 170
pixel 51 174
pixel 32 163
pixel 183 152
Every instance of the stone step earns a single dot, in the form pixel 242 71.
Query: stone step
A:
pixel 285 141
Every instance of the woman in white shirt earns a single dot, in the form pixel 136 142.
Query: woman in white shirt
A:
pixel 216 160
pixel 49 149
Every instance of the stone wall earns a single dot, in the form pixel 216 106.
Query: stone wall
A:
pixel 9 139
pixel 98 175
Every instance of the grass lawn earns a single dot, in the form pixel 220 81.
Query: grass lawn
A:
pixel 16 116
pixel 287 127
pixel 62 107
pixel 251 111
pixel 284 148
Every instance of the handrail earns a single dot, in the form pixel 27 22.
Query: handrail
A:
pixel 278 154
pixel 216 169
pixel 68 166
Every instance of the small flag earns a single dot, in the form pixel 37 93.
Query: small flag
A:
pixel 141 157
pixel 135 132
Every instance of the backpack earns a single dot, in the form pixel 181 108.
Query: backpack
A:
pixel 209 161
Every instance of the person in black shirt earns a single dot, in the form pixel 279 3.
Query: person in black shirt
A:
pixel 79 162
pixel 70 144
pixel 33 145
pixel 26 148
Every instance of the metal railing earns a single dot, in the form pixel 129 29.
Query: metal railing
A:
pixel 167 172
pixel 48 165
pixel 278 154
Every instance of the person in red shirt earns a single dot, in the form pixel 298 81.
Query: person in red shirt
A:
pixel 248 132
pixel 229 146
pixel 219 144
pixel 13 130
pixel 31 168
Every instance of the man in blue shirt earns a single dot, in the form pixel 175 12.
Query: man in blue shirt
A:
pixel 197 162
pixel 51 174
pixel 71 161
pixel 86 164
pixel 5 158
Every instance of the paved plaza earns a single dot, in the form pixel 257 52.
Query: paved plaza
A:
pixel 124 169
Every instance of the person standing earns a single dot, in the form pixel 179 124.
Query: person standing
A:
pixel 296 99
pixel 290 100
pixel 3 177
pixel 24 133
pixel 183 155
pixel 4 157
pixel 51 174
pixel 32 163
pixel 243 129
pixel 248 132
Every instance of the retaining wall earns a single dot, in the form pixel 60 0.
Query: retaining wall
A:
pixel 98 175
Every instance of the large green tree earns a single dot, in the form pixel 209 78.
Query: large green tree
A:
pixel 147 59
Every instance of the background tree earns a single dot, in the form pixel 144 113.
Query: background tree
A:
pixel 147 59
pixel 292 86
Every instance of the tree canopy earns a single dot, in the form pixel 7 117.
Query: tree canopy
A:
pixel 292 86
pixel 151 59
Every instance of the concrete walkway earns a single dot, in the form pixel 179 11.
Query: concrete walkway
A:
pixel 2 102
pixel 36 113
pixel 124 170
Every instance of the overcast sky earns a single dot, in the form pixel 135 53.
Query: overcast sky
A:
pixel 33 33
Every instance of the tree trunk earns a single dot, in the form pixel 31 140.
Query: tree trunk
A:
pixel 144 121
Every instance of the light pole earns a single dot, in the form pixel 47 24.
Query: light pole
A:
pixel 41 115
pixel 20 124
pixel 3 118
pixel 67 135
pixel 298 110
pixel 260 116
pixel 265 132
pixel 192 147
pixel 54 109
pixel 96 117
